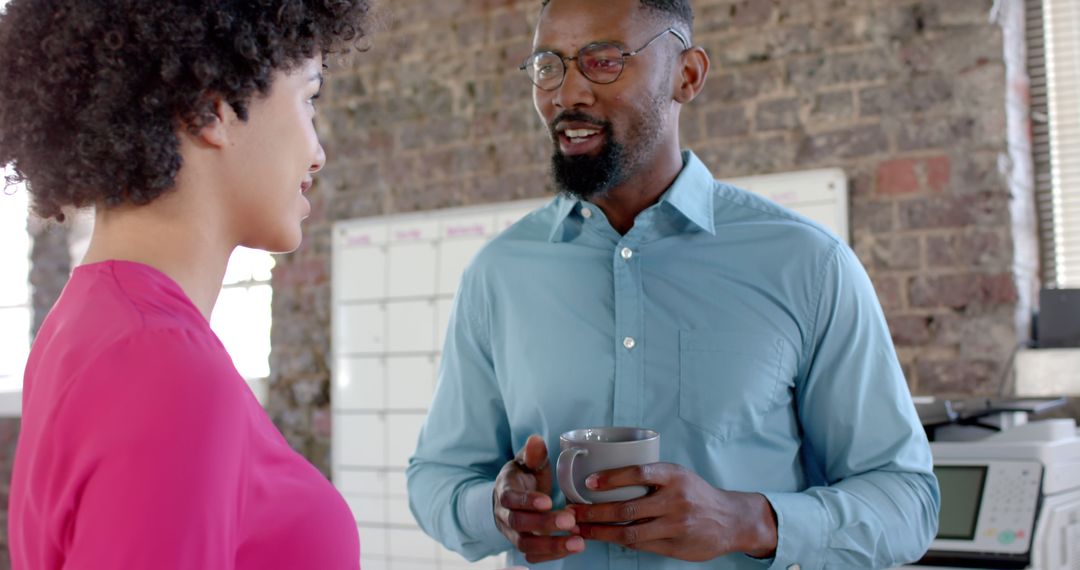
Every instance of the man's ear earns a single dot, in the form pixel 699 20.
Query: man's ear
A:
pixel 692 73
pixel 216 130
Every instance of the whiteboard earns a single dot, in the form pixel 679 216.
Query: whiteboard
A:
pixel 393 283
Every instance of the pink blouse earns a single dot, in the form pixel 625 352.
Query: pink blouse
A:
pixel 142 447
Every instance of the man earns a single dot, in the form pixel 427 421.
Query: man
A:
pixel 650 295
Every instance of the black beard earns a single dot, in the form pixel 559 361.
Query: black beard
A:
pixel 585 176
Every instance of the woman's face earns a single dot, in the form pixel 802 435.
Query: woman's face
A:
pixel 274 155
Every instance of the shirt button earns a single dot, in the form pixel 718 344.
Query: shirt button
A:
pixel 626 253
pixel 629 343
pixel 794 567
pixel 586 213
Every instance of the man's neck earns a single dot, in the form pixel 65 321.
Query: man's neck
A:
pixel 642 189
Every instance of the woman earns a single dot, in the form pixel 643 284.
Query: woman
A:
pixel 188 125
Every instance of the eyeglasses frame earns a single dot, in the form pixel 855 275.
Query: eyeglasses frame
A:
pixel 577 58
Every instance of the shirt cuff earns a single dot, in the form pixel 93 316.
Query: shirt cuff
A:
pixel 802 526
pixel 477 516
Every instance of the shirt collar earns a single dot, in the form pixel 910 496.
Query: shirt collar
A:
pixel 691 194
pixel 566 204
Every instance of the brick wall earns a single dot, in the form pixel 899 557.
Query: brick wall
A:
pixel 907 96
pixel 9 435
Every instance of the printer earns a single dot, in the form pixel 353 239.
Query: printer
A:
pixel 1010 488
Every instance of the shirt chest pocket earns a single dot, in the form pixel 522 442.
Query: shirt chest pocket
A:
pixel 727 381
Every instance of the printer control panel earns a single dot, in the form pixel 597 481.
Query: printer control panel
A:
pixel 987 506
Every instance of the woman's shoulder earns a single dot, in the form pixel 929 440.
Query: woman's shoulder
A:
pixel 153 386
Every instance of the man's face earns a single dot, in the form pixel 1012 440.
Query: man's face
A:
pixel 604 133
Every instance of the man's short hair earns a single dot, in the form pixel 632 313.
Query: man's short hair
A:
pixel 677 11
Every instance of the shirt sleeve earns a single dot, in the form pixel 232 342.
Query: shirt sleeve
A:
pixel 877 506
pixel 158 439
pixel 465 440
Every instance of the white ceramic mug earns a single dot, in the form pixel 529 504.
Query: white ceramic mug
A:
pixel 587 451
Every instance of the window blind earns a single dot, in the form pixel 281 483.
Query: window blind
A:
pixel 1054 66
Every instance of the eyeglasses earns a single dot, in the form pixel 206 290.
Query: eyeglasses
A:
pixel 599 62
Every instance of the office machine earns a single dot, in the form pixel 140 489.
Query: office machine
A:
pixel 1010 488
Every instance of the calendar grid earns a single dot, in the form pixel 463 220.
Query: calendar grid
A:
pixel 393 286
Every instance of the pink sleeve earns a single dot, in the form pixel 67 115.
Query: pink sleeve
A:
pixel 160 465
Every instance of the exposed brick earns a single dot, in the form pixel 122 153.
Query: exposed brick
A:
pixel 890 252
pixel 510 25
pixel 833 106
pixel 911 175
pixel 853 26
pixel 980 248
pixel 989 332
pixel 691 130
pixel 898 176
pixel 357 203
pixel 958 376
pixel 806 73
pixel 910 96
pixel 50 266
pixel 726 122
pixel 890 292
pixel 735 85
pixel 934 133
pixel 911 330
pixel 935 213
pixel 778 114
pixel 937 171
pixel 959 50
pixel 977 173
pixel 744 46
pixel 794 12
pixel 718 15
pixel 753 155
pixel 860 181
pixel 534 182
pixel 873 215
pixel 347 86
pixel 951 212
pixel 949 13
pixel 505 122
pixel 961 290
pixel 321 423
pixel 307 272
pixel 847 143
pixel 751 12
pixel 471 32
pixel 813 71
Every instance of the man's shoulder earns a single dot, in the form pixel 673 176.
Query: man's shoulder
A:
pixel 535 226
pixel 734 206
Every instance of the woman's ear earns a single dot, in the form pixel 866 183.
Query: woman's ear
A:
pixel 215 131
pixel 692 73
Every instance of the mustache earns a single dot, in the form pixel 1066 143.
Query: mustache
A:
pixel 577 117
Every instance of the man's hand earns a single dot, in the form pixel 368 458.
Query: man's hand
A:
pixel 684 518
pixel 522 501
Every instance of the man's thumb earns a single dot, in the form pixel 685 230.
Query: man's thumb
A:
pixel 536 456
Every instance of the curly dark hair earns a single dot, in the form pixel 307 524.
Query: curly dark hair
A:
pixel 92 92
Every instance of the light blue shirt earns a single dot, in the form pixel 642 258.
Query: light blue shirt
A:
pixel 748 336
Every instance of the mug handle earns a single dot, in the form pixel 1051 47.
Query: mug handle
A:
pixel 565 472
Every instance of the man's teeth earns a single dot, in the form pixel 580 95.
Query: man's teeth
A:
pixel 580 133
